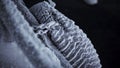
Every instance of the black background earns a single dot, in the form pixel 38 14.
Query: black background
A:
pixel 100 22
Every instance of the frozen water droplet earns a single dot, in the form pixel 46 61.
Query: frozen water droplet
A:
pixel 91 2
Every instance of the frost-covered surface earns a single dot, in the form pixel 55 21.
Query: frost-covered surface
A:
pixel 26 13
pixel 12 56
pixel 39 55
pixel 48 40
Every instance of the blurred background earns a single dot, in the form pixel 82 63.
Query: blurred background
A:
pixel 100 22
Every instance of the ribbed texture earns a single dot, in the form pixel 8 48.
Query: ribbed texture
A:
pixel 35 50
pixel 71 41
pixel 79 50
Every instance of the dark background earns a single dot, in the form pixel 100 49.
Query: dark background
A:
pixel 100 22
